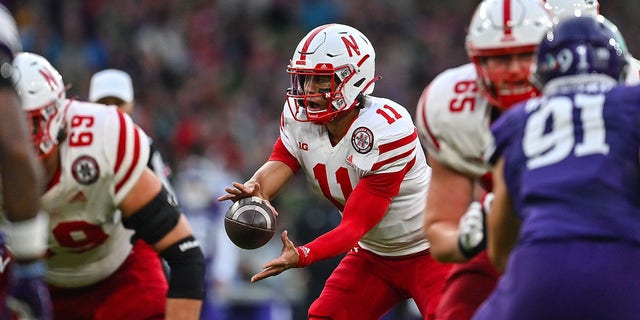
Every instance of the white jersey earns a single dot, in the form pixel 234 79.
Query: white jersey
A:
pixel 382 139
pixel 453 120
pixel 102 157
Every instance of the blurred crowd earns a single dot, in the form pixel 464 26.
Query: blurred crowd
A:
pixel 210 75
pixel 209 79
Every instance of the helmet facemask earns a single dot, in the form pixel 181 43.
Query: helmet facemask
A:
pixel 301 97
pixel 46 125
pixel 503 29
pixel 505 85
pixel 43 99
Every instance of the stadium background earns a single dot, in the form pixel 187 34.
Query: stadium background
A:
pixel 210 79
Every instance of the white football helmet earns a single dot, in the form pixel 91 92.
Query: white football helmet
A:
pixel 42 92
pixel 335 50
pixel 562 8
pixel 502 28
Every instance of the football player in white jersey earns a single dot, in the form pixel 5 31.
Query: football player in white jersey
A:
pixel 570 8
pixel 363 154
pixel 23 292
pixel 110 216
pixel 453 117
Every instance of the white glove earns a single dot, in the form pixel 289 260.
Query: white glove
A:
pixel 472 228
pixel 472 237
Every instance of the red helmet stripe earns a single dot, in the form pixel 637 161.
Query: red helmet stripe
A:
pixel 507 18
pixel 363 59
pixel 307 43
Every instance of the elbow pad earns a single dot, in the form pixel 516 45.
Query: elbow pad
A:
pixel 153 221
pixel 186 260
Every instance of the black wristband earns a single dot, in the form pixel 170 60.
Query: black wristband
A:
pixel 473 251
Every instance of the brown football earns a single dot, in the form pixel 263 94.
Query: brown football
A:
pixel 250 223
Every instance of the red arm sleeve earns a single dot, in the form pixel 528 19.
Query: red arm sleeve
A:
pixel 280 153
pixel 365 207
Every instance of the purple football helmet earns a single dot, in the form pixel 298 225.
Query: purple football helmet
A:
pixel 580 45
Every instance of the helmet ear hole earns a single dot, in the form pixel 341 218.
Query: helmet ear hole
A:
pixel 359 83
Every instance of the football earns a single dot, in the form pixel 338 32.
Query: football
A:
pixel 250 223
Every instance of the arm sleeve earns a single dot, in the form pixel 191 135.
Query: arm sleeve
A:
pixel 367 205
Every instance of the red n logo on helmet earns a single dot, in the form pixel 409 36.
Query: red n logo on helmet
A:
pixel 351 45
pixel 46 74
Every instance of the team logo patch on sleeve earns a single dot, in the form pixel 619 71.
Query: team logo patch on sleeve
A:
pixel 362 140
pixel 85 170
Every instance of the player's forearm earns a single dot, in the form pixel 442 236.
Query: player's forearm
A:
pixel 504 225
pixel 449 195
pixel 272 176
pixel 363 211
pixel 183 309
pixel 21 170
pixel 22 198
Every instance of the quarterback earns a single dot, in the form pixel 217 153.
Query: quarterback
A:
pixel 363 154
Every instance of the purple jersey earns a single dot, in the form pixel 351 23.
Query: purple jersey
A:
pixel 572 163
pixel 572 172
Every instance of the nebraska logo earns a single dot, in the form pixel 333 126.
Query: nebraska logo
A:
pixel 351 44
pixel 85 170
pixel 362 140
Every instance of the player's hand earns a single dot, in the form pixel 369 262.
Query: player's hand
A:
pixel 29 295
pixel 248 189
pixel 239 191
pixel 472 228
pixel 288 259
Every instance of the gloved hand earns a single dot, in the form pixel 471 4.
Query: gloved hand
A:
pixel 472 228
pixel 28 294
